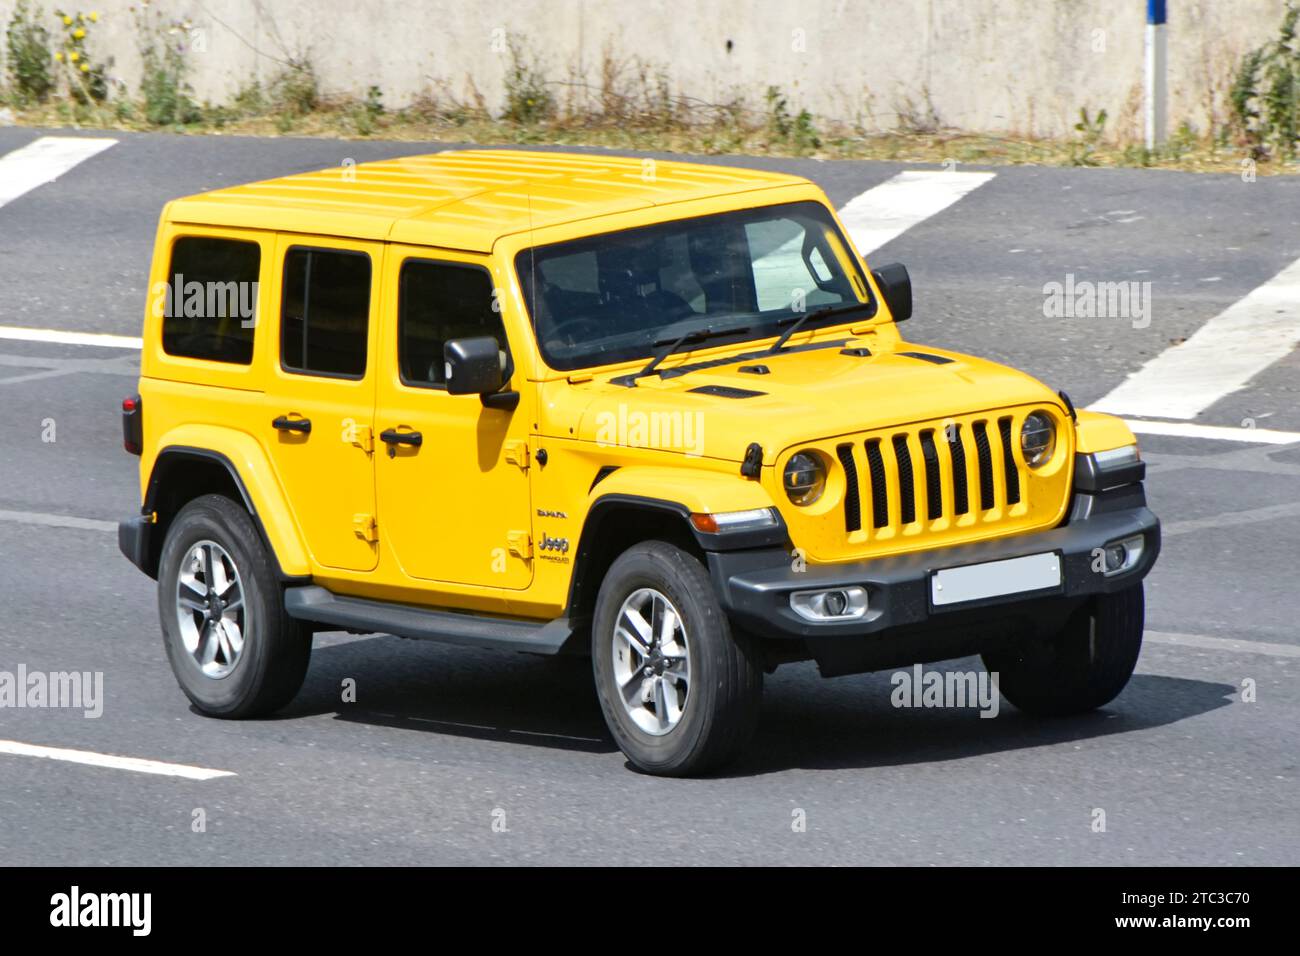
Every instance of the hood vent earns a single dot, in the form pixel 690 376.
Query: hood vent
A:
pixel 927 357
pixel 725 391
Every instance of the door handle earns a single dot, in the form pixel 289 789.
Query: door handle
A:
pixel 286 424
pixel 392 438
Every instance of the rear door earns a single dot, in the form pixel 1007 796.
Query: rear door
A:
pixel 320 398
pixel 454 507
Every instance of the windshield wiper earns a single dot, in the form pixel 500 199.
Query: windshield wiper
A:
pixel 801 320
pixel 693 336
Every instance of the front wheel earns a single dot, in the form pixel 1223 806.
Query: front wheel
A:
pixel 1083 667
pixel 233 649
pixel 680 692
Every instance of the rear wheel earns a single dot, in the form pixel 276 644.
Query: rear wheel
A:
pixel 680 692
pixel 1083 667
pixel 233 649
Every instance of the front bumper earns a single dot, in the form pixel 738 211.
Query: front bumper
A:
pixel 755 586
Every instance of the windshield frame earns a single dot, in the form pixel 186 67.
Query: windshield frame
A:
pixel 763 325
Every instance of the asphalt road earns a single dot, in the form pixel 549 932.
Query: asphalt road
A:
pixel 442 743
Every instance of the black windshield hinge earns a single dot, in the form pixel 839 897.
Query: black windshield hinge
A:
pixel 752 466
pixel 1069 405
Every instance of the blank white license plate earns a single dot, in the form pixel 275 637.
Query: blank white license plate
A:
pixel 975 582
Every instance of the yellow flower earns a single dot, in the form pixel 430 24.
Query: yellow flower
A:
pixel 74 56
pixel 79 33
pixel 58 58
pixel 67 20
pixel 85 68
pixel 94 16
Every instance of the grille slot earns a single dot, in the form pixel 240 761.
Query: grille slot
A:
pixel 1009 462
pixel 906 489
pixel 957 448
pixel 852 501
pixel 879 497
pixel 985 454
pixel 933 484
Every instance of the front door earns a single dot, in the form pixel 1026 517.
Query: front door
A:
pixel 321 397
pixel 453 475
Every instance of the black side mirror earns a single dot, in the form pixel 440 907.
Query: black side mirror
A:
pixel 896 286
pixel 473 365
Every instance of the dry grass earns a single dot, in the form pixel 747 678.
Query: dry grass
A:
pixel 667 124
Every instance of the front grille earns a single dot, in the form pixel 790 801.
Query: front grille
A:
pixel 938 473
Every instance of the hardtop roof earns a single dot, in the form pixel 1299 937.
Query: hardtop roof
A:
pixel 465 199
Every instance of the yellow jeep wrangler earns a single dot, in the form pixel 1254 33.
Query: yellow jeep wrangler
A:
pixel 654 412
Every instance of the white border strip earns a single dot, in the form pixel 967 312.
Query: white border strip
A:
pixel 57 521
pixel 885 212
pixel 1258 436
pixel 1222 644
pixel 1219 358
pixel 92 759
pixel 43 161
pixel 59 337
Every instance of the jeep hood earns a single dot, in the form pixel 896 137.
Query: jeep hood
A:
pixel 805 395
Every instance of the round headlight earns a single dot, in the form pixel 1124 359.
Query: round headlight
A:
pixel 1037 439
pixel 805 477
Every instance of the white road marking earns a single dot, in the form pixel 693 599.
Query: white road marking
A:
pixel 57 521
pixel 43 161
pixel 895 206
pixel 1258 436
pixel 60 337
pixel 1221 357
pixel 1222 644
pixel 92 759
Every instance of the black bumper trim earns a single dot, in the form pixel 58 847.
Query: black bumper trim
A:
pixel 133 541
pixel 754 586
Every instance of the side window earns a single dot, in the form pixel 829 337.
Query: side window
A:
pixel 325 314
pixel 211 299
pixel 437 302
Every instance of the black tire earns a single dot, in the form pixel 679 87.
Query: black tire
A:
pixel 724 692
pixel 1082 668
pixel 270 668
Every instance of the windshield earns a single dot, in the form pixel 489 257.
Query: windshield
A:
pixel 612 298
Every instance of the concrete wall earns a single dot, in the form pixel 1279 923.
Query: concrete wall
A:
pixel 1021 66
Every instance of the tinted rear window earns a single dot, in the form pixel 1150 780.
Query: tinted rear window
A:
pixel 210 308
pixel 326 312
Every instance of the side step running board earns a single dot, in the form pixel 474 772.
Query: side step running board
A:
pixel 316 604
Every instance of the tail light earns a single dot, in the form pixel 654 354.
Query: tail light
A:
pixel 132 425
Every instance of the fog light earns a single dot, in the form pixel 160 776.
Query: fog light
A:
pixel 1115 556
pixel 832 604
pixel 1120 556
